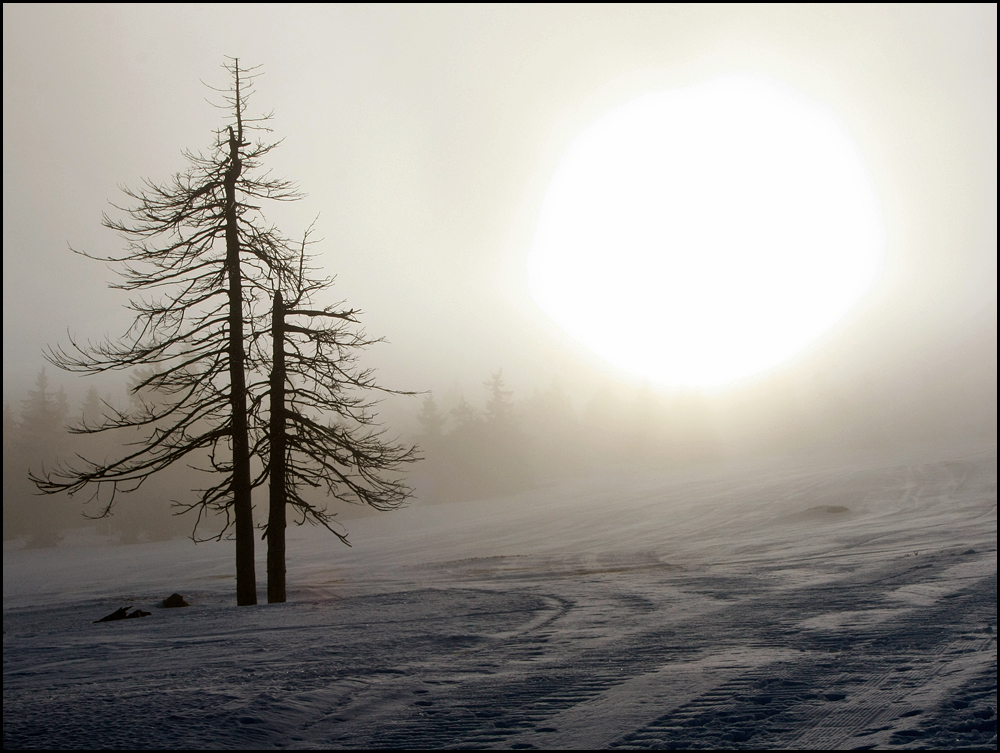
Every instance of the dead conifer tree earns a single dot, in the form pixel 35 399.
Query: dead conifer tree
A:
pixel 200 262
pixel 322 432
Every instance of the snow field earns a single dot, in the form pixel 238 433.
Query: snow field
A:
pixel 836 605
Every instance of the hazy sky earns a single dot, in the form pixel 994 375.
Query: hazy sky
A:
pixel 425 136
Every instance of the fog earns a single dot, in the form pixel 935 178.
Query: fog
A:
pixel 425 136
pixel 424 139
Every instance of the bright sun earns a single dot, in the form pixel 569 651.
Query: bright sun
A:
pixel 699 235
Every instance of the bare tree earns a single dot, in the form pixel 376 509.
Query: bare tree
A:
pixel 322 433
pixel 200 261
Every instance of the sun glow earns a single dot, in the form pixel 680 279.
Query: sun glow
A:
pixel 699 235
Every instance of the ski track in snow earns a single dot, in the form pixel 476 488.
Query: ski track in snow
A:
pixel 827 607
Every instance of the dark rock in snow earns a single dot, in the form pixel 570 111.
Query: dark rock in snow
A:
pixel 118 614
pixel 173 601
pixel 122 614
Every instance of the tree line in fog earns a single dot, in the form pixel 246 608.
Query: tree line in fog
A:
pixel 494 442
pixel 36 437
pixel 504 442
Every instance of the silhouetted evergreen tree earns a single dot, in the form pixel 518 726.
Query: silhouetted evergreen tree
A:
pixel 199 242
pixel 465 418
pixel 498 408
pixel 322 433
pixel 432 422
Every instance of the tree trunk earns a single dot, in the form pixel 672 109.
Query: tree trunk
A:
pixel 276 513
pixel 246 577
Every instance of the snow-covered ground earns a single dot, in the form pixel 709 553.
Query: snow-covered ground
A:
pixel 833 605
